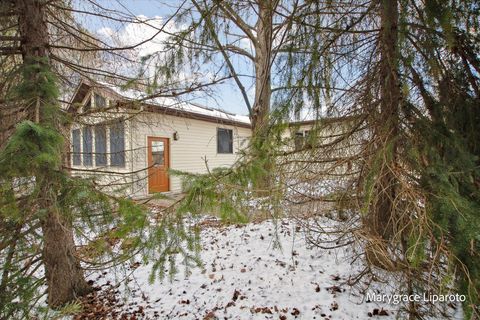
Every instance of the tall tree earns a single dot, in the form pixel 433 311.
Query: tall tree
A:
pixel 44 210
pixel 263 45
pixel 419 207
pixel 444 75
pixel 232 34
pixel 63 273
pixel 403 152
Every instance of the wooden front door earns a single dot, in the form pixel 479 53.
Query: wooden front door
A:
pixel 158 163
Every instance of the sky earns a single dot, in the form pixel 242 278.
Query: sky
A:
pixel 226 96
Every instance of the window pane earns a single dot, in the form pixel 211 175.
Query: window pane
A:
pixel 100 146
pixel 158 156
pixel 224 140
pixel 87 146
pixel 117 145
pixel 87 105
pixel 299 140
pixel 100 102
pixel 307 139
pixel 76 159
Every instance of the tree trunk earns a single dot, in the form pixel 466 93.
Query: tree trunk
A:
pixel 263 93
pixel 64 275
pixel 389 116
pixel 65 279
pixel 382 220
pixel 383 217
pixel 263 57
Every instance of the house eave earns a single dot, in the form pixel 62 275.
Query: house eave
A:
pixel 84 87
pixel 183 114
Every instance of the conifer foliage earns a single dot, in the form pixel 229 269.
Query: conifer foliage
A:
pixel 445 148
pixel 398 157
pixel 54 225
pixel 401 81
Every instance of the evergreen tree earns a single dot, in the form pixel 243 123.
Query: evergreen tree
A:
pixel 404 76
pixel 44 211
pixel 446 155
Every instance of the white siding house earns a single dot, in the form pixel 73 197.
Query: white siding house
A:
pixel 131 146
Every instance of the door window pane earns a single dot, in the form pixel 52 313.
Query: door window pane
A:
pixel 87 146
pixel 158 154
pixel 117 145
pixel 76 159
pixel 100 146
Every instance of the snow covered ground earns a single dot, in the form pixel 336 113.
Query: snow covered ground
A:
pixel 246 277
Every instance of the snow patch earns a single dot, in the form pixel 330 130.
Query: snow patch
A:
pixel 249 273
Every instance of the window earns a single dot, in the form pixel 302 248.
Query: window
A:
pixel 298 140
pixel 87 146
pixel 302 140
pixel 224 140
pixel 100 102
pixel 158 153
pixel 117 145
pixel 307 139
pixel 100 145
pixel 76 159
pixel 88 105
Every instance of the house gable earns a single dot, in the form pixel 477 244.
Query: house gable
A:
pixel 186 110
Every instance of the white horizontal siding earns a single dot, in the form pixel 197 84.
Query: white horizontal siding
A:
pixel 197 142
pixel 192 152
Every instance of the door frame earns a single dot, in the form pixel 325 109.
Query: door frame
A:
pixel 167 160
